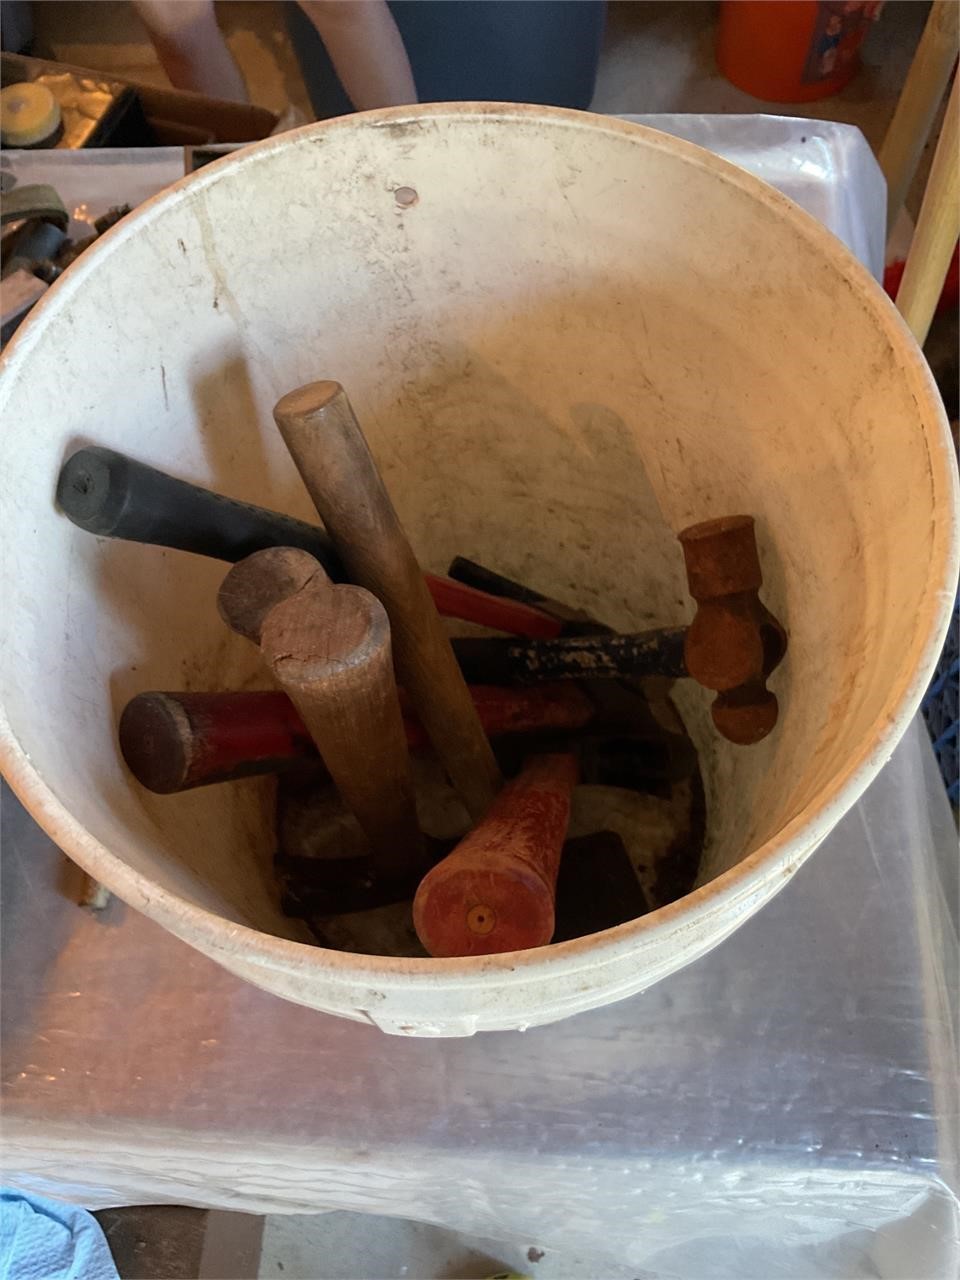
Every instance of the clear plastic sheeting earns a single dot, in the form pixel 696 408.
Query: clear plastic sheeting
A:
pixel 826 168
pixel 91 182
pixel 785 1107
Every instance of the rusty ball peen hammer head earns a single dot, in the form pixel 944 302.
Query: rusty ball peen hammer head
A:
pixel 734 641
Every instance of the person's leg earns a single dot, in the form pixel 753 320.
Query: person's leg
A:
pixel 327 95
pixel 366 50
pixel 191 47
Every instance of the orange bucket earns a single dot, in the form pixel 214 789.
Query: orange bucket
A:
pixel 792 50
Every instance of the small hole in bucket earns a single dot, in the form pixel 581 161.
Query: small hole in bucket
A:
pixel 405 197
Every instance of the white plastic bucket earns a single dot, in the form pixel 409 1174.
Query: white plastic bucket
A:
pixel 566 337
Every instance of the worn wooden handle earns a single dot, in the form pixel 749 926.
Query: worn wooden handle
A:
pixel 495 891
pixel 328 447
pixel 328 647
pixel 260 582
pixel 937 230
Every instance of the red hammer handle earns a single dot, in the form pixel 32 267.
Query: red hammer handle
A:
pixel 175 741
pixel 457 600
pixel 495 892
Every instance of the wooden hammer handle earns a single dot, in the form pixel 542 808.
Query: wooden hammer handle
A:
pixel 256 585
pixel 328 447
pixel 495 892
pixel 328 647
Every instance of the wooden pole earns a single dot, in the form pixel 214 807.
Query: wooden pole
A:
pixel 937 228
pixel 919 100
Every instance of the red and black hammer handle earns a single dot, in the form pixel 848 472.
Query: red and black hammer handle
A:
pixel 113 496
pixel 573 622
pixel 175 741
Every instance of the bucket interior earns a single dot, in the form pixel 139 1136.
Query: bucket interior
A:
pixel 554 394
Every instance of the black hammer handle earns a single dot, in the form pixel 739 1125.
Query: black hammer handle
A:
pixel 493 660
pixel 114 496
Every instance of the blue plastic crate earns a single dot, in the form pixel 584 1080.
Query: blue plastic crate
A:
pixel 940 708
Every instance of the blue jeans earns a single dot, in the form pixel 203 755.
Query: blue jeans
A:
pixel 542 51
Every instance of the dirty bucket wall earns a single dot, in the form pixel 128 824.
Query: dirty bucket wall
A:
pixel 567 338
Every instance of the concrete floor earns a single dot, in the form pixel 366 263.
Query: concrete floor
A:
pixel 657 56
pixel 369 1247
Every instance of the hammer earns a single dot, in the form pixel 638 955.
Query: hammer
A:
pixel 732 646
pixel 328 647
pixel 110 495
pixel 329 449
pixel 495 891
pixel 173 742
pixel 734 641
